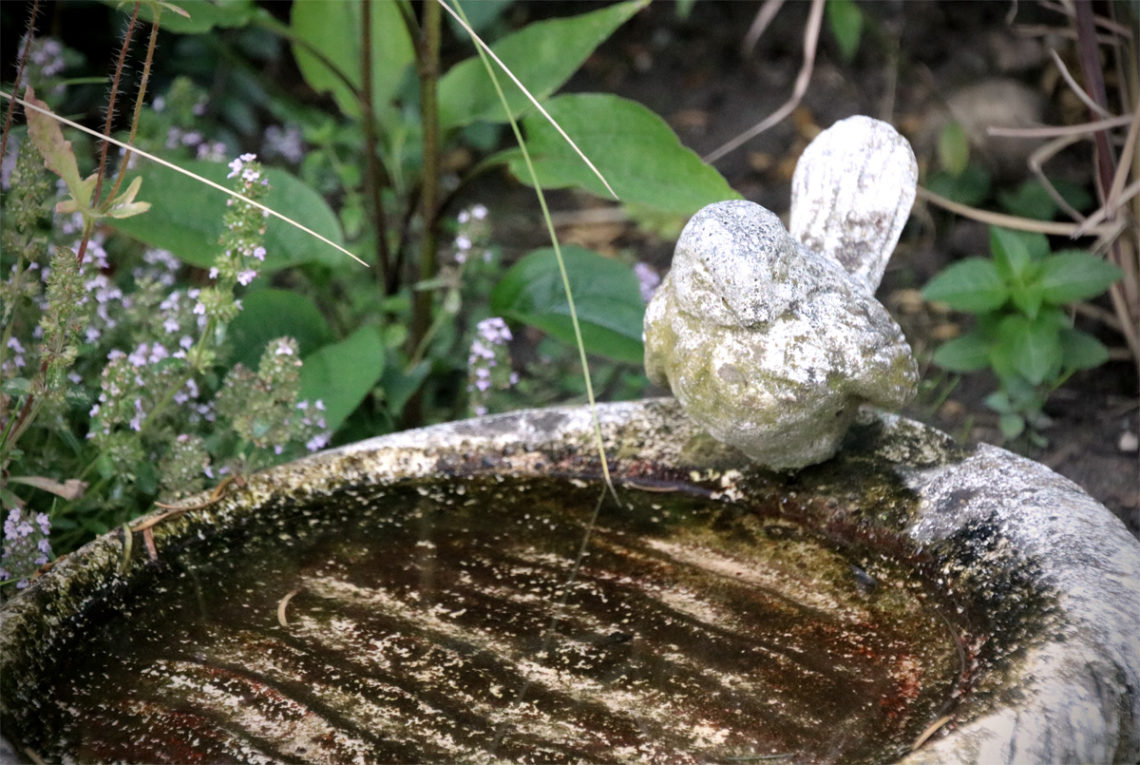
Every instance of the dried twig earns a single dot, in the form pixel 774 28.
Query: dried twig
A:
pixel 811 40
pixel 1054 228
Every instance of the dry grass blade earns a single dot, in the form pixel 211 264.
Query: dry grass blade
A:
pixel 1050 131
pixel 1053 228
pixel 1078 91
pixel 487 49
pixel 811 41
pixel 282 605
pixel 177 169
pixel 763 18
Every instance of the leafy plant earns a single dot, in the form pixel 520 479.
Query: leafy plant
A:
pixel 367 351
pixel 1023 332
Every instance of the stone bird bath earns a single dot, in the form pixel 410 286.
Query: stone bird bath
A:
pixel 472 591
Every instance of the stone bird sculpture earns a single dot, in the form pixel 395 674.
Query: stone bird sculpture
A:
pixel 771 340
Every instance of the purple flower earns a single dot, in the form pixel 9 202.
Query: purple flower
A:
pixel 647 280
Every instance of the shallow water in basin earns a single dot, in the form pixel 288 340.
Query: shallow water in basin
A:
pixel 435 624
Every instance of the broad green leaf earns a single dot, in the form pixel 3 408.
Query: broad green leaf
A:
pixel 203 15
pixel 967 353
pixel 972 285
pixel 267 314
pixel 1029 200
pixel 1074 275
pixel 953 149
pixel 543 55
pixel 846 23
pixel 1028 299
pixel 1034 347
pixel 999 402
pixel 1080 350
pixel 1012 425
pixel 1014 251
pixel 970 187
pixel 634 149
pixel 606 296
pixel 186 217
pixel 400 384
pixel 334 29
pixel 481 15
pixel 341 374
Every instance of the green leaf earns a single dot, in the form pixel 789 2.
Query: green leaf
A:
pixel 204 15
pixel 333 28
pixel 606 296
pixel 543 55
pixel 341 374
pixel 953 149
pixel 1030 200
pixel 267 314
pixel 1073 275
pixel 1015 251
pixel 846 23
pixel 970 187
pixel 636 151
pixel 1012 425
pixel 58 155
pixel 124 205
pixel 999 402
pixel 399 385
pixel 1027 298
pixel 1080 350
pixel 1034 346
pixel 967 353
pixel 972 285
pixel 186 217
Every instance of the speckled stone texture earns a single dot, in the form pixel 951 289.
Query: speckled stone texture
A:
pixel 771 345
pixel 1057 576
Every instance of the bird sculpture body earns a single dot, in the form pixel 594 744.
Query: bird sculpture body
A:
pixel 771 341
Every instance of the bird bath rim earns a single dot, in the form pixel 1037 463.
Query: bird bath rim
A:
pixel 1064 692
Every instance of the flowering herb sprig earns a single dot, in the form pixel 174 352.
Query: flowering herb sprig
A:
pixel 488 363
pixel 136 361
pixel 26 545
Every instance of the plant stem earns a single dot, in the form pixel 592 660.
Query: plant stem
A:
pixel 88 226
pixel 427 65
pixel 140 99
pixel 19 75
pixel 373 171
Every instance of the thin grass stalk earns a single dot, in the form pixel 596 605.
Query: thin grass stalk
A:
pixel 480 47
pixel 1052 228
pixel 29 35
pixel 484 51
pixel 811 41
pixel 170 165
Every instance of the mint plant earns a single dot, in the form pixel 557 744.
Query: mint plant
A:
pixel 1023 332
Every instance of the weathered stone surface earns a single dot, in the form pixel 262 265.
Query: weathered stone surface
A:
pixel 771 345
pixel 851 195
pixel 1044 577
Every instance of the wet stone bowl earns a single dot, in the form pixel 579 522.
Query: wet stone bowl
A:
pixel 432 596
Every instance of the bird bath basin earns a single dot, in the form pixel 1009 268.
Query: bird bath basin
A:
pixel 428 596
